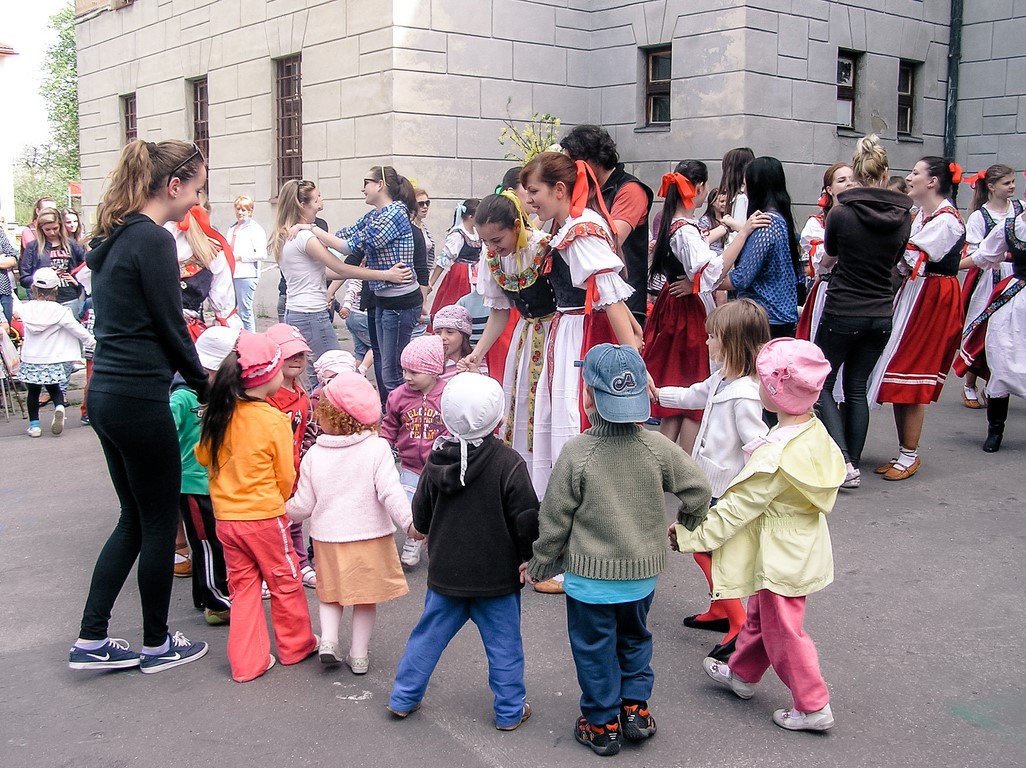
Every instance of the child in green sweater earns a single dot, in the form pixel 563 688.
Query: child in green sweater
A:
pixel 604 506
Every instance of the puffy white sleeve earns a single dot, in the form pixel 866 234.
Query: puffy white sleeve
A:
pixel 450 250
pixel 935 239
pixel 811 242
pixel 693 252
pixel 492 295
pixel 993 249
pixel 222 292
pixel 590 256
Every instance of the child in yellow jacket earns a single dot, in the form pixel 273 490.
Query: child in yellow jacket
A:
pixel 769 537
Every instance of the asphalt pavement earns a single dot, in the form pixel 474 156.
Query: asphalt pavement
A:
pixel 920 639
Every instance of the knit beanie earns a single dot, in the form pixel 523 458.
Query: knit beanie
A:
pixel 792 372
pixel 259 357
pixel 352 393
pixel 455 317
pixel 214 345
pixel 472 407
pixel 425 354
pixel 332 363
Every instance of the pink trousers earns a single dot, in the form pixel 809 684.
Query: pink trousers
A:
pixel 256 550
pixel 772 636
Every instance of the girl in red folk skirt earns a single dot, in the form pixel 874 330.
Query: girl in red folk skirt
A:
pixel 461 252
pixel 927 323
pixel 675 351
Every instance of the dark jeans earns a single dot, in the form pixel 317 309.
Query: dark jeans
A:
pixel 140 444
pixel 35 390
pixel 393 328
pixel 612 651
pixel 856 343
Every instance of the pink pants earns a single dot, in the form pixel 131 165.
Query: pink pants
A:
pixel 772 636
pixel 255 550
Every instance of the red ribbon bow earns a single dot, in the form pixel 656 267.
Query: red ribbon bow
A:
pixel 683 184
pixel 203 219
pixel 976 178
pixel 956 173
pixel 579 200
pixel 824 200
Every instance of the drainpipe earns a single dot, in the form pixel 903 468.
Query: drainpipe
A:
pixel 951 97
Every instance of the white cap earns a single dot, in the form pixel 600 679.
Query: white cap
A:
pixel 472 407
pixel 46 278
pixel 214 345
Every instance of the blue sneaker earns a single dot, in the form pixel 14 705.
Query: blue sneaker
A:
pixel 181 651
pixel 116 654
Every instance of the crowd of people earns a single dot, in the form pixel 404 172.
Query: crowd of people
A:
pixel 495 408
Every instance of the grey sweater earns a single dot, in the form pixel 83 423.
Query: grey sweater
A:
pixel 604 503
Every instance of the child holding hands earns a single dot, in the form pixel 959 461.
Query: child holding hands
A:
pixel 769 537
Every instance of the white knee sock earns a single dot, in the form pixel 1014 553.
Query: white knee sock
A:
pixel 331 617
pixel 363 626
pixel 906 457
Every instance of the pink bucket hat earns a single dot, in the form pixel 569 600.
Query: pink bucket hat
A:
pixel 259 357
pixel 352 393
pixel 424 354
pixel 455 317
pixel 288 338
pixel 792 372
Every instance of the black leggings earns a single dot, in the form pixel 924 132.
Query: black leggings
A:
pixel 140 444
pixel 35 390
pixel 856 343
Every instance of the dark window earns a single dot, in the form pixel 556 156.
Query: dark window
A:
pixel 847 71
pixel 289 111
pixel 657 86
pixel 200 117
pixel 128 110
pixel 906 97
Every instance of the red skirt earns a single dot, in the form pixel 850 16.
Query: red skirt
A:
pixel 972 278
pixel 811 311
pixel 496 357
pixel 675 351
pixel 454 286
pixel 916 373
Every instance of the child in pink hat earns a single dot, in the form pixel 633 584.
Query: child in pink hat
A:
pixel 350 491
pixel 413 418
pixel 769 538
pixel 454 327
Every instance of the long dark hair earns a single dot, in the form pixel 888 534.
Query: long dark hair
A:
pixel 732 176
pixel 940 167
pixel 663 261
pixel 398 186
pixel 225 394
pixel 767 191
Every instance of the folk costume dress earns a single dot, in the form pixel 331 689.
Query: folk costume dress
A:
pixel 675 351
pixel 811 243
pixel 525 380
pixel 585 274
pixel 927 322
pixel 1000 328
pixel 460 254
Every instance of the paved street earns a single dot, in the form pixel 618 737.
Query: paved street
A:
pixel 920 637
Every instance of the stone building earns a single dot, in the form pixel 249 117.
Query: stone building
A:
pixel 326 88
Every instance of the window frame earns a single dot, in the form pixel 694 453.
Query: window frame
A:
pixel 848 92
pixel 657 89
pixel 129 118
pixel 288 114
pixel 201 115
pixel 906 100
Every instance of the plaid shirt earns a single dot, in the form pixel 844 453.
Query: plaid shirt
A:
pixel 384 238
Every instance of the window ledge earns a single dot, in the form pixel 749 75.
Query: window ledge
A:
pixel 663 128
pixel 849 133
pixel 910 139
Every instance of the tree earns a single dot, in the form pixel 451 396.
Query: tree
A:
pixel 60 88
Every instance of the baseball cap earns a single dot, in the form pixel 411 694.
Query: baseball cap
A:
pixel 619 380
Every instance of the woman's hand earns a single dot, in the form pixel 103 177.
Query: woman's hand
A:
pixel 757 220
pixel 653 390
pixel 680 288
pixel 469 364
pixel 295 229
pixel 399 273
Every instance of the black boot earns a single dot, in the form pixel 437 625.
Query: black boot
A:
pixel 997 412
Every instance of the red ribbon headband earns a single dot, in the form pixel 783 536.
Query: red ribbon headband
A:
pixel 975 179
pixel 683 184
pixel 956 173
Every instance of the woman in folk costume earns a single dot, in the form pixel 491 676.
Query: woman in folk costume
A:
pixel 927 312
pixel 675 349
pixel 205 266
pixel 460 254
pixel 838 177
pixel 1000 329
pixel 993 204
pixel 511 278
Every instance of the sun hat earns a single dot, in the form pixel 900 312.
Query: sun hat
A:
pixel 214 345
pixel 425 354
pixel 619 381
pixel 259 357
pixel 792 372
pixel 472 407
pixel 352 393
pixel 455 317
pixel 288 338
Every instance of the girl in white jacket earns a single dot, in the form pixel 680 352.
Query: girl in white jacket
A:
pixel 52 337
pixel 733 417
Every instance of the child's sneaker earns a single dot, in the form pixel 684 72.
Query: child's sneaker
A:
pixel 329 653
pixel 720 672
pixel 115 654
pixel 181 651
pixel 359 666
pixel 411 552
pixel 525 714
pixel 603 740
pixel 852 478
pixel 216 618
pixel 636 722
pixel 793 720
pixel 34 429
pixel 57 426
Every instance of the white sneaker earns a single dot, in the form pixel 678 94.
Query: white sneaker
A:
pixel 793 720
pixel 852 479
pixel 411 552
pixel 58 420
pixel 722 674
pixel 34 431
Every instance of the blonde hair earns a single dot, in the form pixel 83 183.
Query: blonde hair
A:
pixel 244 201
pixel 51 216
pixel 869 162
pixel 202 248
pixel 742 327
pixel 293 194
pixel 142 170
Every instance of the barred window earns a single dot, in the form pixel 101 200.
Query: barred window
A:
pixel 847 72
pixel 128 112
pixel 200 117
pixel 289 113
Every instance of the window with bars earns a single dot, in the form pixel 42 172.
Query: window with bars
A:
pixel 289 118
pixel 128 111
pixel 657 86
pixel 200 117
pixel 847 72
pixel 906 97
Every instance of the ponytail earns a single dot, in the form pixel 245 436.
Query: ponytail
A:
pixel 225 394
pixel 399 187
pixel 696 172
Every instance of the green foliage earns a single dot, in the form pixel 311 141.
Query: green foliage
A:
pixel 536 135
pixel 35 176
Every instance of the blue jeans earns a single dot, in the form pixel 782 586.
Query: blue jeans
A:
pixel 319 333
pixel 7 302
pixel 356 323
pixel 498 621
pixel 394 328
pixel 245 289
pixel 612 650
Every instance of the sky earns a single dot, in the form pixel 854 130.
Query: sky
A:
pixel 26 29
